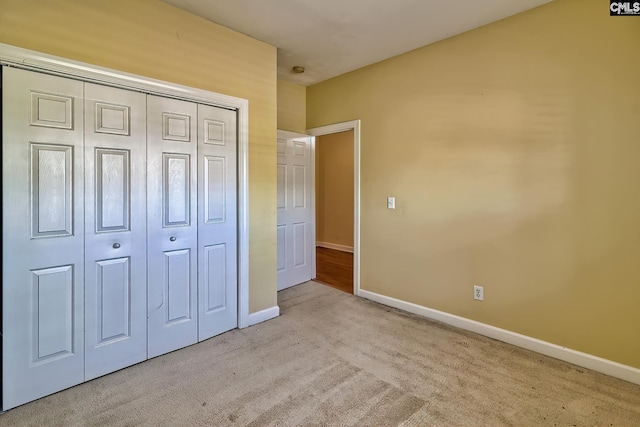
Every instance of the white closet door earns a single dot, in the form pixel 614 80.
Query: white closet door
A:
pixel 295 216
pixel 42 221
pixel 115 229
pixel 217 224
pixel 172 224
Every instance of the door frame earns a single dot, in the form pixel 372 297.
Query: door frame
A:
pixel 49 64
pixel 353 125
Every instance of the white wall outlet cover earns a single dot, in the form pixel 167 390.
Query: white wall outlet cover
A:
pixel 478 293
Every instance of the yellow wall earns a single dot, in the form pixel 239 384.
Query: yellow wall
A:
pixel 334 188
pixel 292 106
pixel 151 38
pixel 513 154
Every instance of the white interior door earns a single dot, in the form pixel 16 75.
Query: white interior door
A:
pixel 42 233
pixel 295 211
pixel 115 229
pixel 217 222
pixel 172 224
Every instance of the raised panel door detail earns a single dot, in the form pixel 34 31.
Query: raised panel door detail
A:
pixel 299 149
pixel 112 190
pixel 282 186
pixel 43 235
pixel 177 286
pixel 214 132
pixel 51 190
pixel 282 147
pixel 112 119
pixel 214 189
pixel 216 221
pixel 282 247
pixel 53 111
pixel 295 242
pixel 114 300
pixel 215 277
pixel 299 244
pixel 52 309
pixel 176 127
pixel 299 187
pixel 172 217
pixel 115 229
pixel 175 193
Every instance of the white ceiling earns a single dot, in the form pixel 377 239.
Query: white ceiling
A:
pixel 332 37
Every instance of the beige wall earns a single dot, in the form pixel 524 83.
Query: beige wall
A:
pixel 292 106
pixel 334 188
pixel 512 151
pixel 154 39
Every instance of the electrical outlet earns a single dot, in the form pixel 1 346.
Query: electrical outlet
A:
pixel 478 293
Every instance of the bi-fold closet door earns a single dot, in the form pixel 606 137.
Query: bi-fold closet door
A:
pixel 172 225
pixel 115 232
pixel 119 229
pixel 192 226
pixel 42 235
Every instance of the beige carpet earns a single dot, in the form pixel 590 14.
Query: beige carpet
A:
pixel 334 359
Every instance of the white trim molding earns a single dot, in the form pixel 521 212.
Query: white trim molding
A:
pixel 598 364
pixel 35 61
pixel 335 128
pixel 243 216
pixel 264 315
pixel 335 246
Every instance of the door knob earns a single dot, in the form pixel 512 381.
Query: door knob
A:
pixel 116 246
pixel 172 238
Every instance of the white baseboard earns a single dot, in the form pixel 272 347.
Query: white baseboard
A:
pixel 264 315
pixel 598 364
pixel 335 246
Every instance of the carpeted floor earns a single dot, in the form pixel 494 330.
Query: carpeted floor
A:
pixel 334 359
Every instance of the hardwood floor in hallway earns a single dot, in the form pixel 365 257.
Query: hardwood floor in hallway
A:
pixel 334 268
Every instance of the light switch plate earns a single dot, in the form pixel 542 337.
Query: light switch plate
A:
pixel 391 202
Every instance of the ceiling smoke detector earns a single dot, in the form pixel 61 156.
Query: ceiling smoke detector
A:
pixel 298 69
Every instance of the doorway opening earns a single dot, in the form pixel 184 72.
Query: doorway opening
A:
pixel 334 222
pixel 336 260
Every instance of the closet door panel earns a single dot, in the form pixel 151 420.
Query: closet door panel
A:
pixel 217 224
pixel 172 225
pixel 115 229
pixel 42 236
